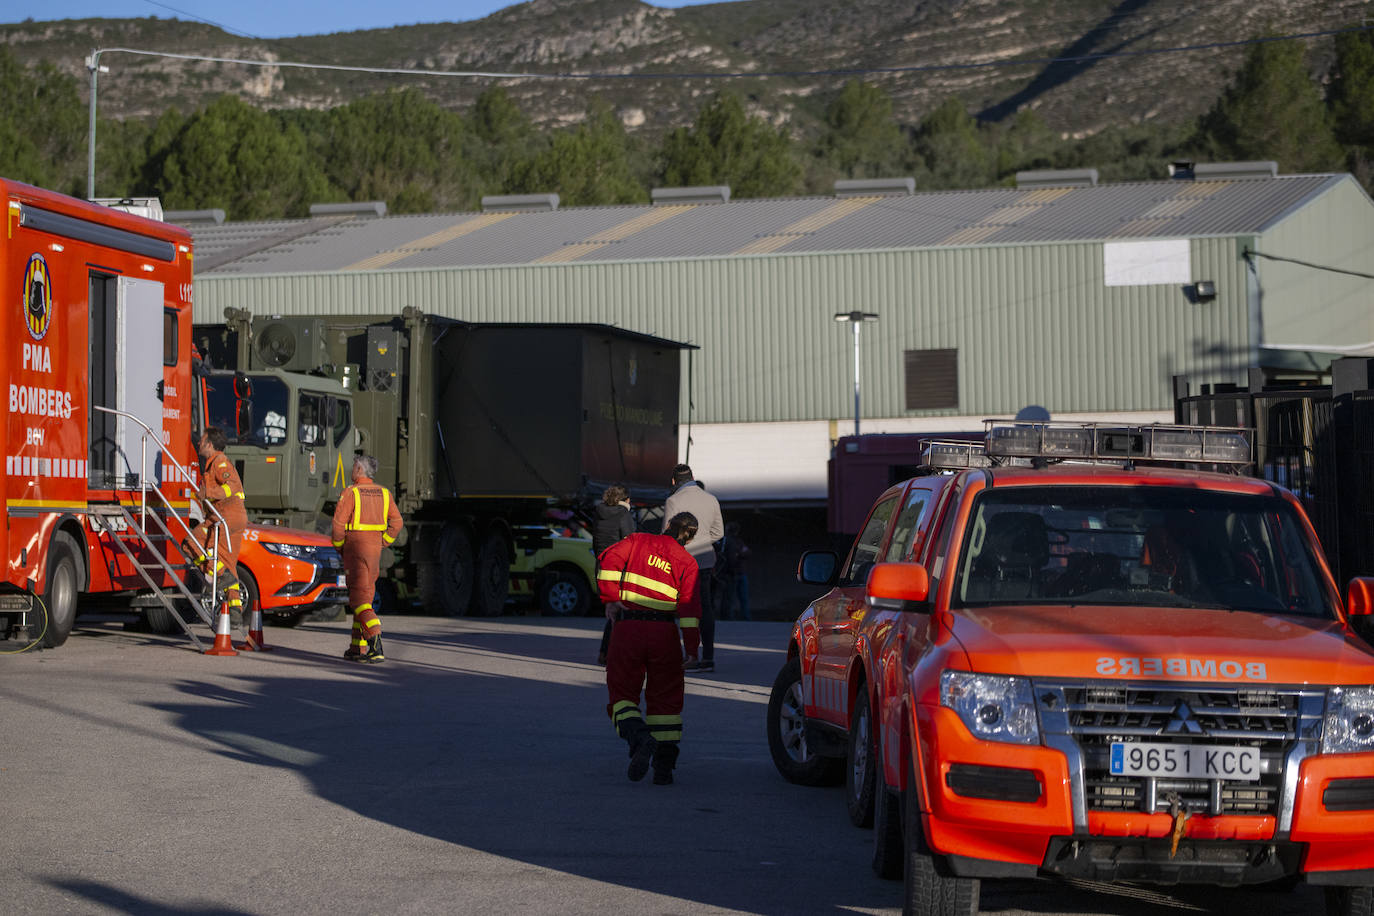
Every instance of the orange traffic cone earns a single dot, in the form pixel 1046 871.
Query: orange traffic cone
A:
pixel 255 642
pixel 224 634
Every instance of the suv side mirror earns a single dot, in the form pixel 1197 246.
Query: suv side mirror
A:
pixel 1359 597
pixel 899 587
pixel 818 567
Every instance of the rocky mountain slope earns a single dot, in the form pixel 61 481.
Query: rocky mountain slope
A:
pixel 786 56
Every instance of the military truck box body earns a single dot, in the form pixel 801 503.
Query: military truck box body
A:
pixel 477 428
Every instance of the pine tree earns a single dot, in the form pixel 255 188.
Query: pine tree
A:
pixel 954 151
pixel 1272 110
pixel 726 146
pixel 586 165
pixel 862 138
pixel 232 156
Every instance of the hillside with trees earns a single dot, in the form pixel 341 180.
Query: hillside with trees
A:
pixel 1305 103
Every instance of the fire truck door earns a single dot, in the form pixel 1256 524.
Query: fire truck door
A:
pixel 126 369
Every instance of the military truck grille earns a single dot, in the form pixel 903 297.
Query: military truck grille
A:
pixel 1097 715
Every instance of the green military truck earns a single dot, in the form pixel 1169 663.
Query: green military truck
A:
pixel 479 429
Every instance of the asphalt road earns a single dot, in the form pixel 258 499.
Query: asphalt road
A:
pixel 473 772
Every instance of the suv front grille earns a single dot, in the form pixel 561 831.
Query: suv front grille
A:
pixel 1095 715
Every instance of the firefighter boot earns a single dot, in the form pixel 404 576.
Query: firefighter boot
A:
pixel 373 652
pixel 642 747
pixel 665 758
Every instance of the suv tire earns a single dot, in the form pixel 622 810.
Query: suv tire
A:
pixel 787 733
pixel 929 888
pixel 859 763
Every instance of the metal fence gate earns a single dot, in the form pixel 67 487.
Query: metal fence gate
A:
pixel 1317 441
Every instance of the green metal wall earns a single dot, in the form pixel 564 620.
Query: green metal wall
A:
pixel 1304 305
pixel 1033 323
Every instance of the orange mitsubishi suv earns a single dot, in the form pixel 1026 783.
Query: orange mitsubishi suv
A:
pixel 1086 651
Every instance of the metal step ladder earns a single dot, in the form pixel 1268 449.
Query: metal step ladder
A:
pixel 142 521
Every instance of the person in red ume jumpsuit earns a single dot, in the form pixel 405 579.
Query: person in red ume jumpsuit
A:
pixel 648 583
pixel 365 520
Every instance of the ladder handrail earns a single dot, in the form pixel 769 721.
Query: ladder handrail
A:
pixel 217 522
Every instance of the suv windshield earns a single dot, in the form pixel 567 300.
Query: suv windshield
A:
pixel 1150 545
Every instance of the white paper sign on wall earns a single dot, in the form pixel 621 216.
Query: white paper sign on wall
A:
pixel 1147 263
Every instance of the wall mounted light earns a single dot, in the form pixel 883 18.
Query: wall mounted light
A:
pixel 1205 290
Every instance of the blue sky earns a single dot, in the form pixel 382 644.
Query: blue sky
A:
pixel 277 19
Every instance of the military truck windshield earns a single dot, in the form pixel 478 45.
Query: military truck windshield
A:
pixel 259 418
pixel 1143 545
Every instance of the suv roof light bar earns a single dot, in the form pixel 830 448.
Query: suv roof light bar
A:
pixel 953 454
pixel 1227 445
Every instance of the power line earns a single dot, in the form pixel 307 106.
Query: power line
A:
pixel 845 71
pixel 1252 253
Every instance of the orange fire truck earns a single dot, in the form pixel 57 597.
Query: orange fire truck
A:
pixel 98 436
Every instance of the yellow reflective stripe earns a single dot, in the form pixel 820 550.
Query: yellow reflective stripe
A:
pixel 365 606
pixel 646 602
pixel 622 705
pixel 228 490
pixel 663 735
pixel 338 543
pixel 388 540
pixel 652 585
pixel 354 524
pixel 609 575
pixel 663 720
pixel 688 623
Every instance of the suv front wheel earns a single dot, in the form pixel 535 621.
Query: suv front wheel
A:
pixel 787 733
pixel 930 889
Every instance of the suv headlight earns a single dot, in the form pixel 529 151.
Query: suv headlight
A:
pixel 1349 720
pixel 993 707
pixel 294 551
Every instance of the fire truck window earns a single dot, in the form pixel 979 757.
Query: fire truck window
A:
pixel 169 337
pixel 869 542
pixel 269 403
pixel 311 420
pixel 342 421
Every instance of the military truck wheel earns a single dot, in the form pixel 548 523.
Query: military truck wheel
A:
pixel 64 582
pixel 454 569
pixel 385 598
pixel 1350 901
pixel 564 593
pixel 930 889
pixel 491 585
pixel 859 765
pixel 787 734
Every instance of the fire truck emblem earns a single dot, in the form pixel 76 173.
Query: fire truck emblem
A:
pixel 37 297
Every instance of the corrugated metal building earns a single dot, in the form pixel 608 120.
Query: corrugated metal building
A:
pixel 1081 297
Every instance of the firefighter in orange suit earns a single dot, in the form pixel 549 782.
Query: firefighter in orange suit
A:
pixel 649 585
pixel 221 488
pixel 365 521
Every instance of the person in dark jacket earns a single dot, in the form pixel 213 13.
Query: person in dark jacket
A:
pixel 613 522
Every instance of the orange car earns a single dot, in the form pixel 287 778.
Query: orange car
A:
pixel 289 572
pixel 1054 659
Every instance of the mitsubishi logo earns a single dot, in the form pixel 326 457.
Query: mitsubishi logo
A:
pixel 1183 721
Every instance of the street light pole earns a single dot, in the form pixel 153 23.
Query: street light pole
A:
pixel 856 318
pixel 93 65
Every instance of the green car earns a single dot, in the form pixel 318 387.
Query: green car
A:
pixel 559 573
